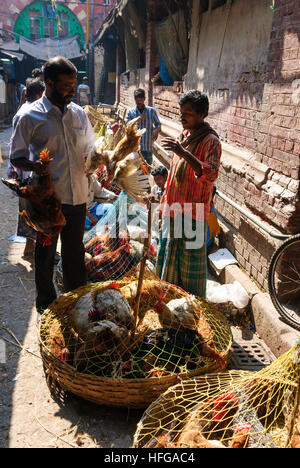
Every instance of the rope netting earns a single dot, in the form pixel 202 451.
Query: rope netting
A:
pixel 116 244
pixel 233 409
pixel 93 330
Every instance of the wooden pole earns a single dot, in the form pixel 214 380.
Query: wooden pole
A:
pixel 142 269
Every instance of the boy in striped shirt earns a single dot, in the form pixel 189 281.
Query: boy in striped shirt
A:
pixel 186 201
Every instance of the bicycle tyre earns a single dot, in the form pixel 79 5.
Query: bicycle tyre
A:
pixel 280 307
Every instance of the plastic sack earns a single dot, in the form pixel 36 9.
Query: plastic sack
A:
pixel 223 293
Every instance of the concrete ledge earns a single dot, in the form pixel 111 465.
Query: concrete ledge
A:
pixel 279 336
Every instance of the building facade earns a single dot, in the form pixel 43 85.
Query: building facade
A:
pixel 32 31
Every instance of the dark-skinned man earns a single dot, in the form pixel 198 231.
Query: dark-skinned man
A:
pixel 56 123
pixel 186 201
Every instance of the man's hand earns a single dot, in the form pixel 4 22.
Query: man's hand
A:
pixel 174 146
pixel 150 199
pixel 41 168
pixel 155 134
pixel 13 174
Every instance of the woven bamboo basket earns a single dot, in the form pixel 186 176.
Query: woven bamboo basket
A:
pixel 116 390
pixel 213 408
pixel 96 118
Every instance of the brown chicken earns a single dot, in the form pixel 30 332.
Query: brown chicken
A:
pixel 44 214
pixel 56 342
pixel 296 437
pixel 129 144
pixel 106 242
pixel 104 266
pixel 241 436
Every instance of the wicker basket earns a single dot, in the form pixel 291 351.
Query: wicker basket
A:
pixel 208 409
pixel 121 392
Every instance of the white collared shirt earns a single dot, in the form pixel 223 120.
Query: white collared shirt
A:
pixel 68 136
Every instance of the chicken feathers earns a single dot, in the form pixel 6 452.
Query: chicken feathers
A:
pixel 44 214
pixel 129 144
pixel 130 178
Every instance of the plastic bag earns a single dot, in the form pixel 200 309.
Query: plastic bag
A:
pixel 223 293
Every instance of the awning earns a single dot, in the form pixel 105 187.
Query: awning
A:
pixel 12 54
pixel 44 49
pixel 110 19
pixel 10 45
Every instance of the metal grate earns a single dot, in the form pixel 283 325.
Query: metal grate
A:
pixel 250 356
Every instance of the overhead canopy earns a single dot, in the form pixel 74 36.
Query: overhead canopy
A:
pixel 110 19
pixel 172 42
pixel 13 54
pixel 44 49
pixel 9 45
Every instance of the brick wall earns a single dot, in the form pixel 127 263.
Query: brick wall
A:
pixel 254 108
pixel 165 100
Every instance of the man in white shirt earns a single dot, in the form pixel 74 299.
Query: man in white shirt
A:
pixel 56 123
pixel 84 93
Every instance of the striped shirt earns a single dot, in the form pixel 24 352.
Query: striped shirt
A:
pixel 149 123
pixel 194 190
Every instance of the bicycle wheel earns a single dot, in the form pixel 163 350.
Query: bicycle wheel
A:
pixel 284 281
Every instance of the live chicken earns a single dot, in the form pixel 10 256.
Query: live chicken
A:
pixel 93 308
pixel 44 214
pixel 186 313
pixel 128 144
pixel 92 356
pixel 104 266
pixel 56 342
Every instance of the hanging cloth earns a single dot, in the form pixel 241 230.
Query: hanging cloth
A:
pixel 172 42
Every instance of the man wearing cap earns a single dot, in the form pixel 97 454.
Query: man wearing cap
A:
pixel 84 93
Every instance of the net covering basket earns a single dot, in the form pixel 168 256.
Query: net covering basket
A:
pixel 123 362
pixel 233 409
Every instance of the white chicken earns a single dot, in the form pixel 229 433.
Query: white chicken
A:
pixel 94 308
pixel 130 178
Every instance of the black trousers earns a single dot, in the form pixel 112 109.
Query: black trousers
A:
pixel 72 253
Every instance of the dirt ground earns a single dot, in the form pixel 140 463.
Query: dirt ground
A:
pixel 29 417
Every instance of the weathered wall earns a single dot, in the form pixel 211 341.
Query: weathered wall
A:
pixel 250 87
pixel 254 106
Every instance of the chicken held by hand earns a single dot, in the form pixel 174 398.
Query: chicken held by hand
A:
pixel 44 214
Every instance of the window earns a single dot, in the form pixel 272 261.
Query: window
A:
pixel 35 29
pixel 49 28
pixel 49 11
pixel 64 18
pixel 218 3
